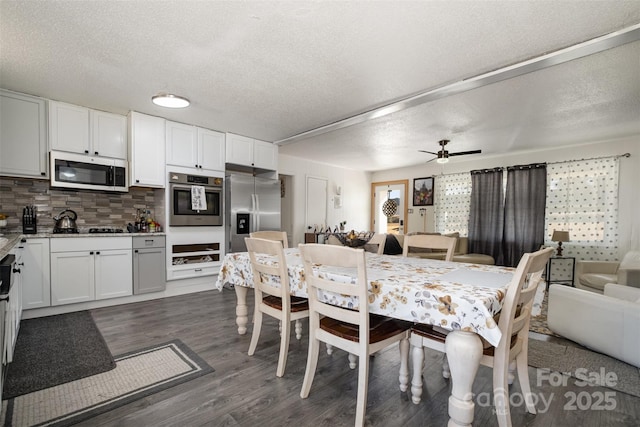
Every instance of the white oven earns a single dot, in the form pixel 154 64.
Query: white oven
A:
pixel 181 213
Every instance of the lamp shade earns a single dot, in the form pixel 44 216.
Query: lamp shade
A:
pixel 560 236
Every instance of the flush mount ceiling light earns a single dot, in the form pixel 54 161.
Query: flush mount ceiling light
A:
pixel 170 101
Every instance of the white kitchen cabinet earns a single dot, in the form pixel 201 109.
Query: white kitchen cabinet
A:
pixel 72 277
pixel 195 147
pixel 182 145
pixel 241 150
pixel 36 273
pixel 80 130
pixel 113 273
pixel 23 135
pixel 146 150
pixel 90 268
pixel 211 148
pixel 108 134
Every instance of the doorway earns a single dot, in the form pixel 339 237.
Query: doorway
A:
pixel 389 206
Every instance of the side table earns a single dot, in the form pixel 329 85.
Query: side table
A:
pixel 548 277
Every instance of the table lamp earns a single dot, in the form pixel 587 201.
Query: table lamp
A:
pixel 560 236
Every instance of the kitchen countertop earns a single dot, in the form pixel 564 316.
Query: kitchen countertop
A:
pixel 13 238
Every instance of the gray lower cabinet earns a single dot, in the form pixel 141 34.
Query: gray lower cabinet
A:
pixel 149 264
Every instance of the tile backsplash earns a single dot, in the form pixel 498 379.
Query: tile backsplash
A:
pixel 94 208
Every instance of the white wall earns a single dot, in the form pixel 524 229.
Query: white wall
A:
pixel 355 194
pixel 629 189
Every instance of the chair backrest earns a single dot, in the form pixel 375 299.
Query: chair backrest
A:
pixel 264 268
pixel 318 260
pixel 378 239
pixel 281 236
pixel 430 241
pixel 517 304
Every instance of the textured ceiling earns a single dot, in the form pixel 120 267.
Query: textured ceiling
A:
pixel 271 70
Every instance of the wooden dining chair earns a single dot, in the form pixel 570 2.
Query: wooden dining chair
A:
pixel 378 239
pixel 352 329
pixel 430 241
pixel 271 300
pixel 280 236
pixel 513 320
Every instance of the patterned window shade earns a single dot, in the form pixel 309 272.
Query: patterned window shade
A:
pixel 451 203
pixel 582 198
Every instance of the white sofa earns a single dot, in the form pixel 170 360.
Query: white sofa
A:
pixel 593 275
pixel 608 323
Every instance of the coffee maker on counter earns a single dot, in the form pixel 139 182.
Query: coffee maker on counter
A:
pixel 29 220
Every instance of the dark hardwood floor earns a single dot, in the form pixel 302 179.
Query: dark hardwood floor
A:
pixel 244 391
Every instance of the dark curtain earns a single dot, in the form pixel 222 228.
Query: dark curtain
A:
pixel 486 212
pixel 523 212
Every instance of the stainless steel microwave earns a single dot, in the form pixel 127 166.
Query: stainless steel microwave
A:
pixel 70 170
pixel 180 204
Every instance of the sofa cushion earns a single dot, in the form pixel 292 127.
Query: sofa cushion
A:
pixel 629 269
pixel 597 280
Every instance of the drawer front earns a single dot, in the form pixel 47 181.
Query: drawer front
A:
pixel 75 244
pixel 148 242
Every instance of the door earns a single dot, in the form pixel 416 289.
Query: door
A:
pixel 389 206
pixel 267 209
pixel 316 214
pixel 36 290
pixel 240 203
pixel 149 270
pixel 113 274
pixel 72 277
pixel 211 150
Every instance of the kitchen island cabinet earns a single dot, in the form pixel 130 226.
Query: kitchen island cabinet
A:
pixel 87 269
pixel 23 135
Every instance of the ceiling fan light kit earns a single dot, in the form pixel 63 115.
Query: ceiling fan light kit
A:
pixel 442 156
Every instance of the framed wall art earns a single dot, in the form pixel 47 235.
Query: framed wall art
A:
pixel 423 191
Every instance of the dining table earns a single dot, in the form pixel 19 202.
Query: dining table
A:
pixel 462 298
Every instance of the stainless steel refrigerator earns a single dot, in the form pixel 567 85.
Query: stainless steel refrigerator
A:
pixel 251 204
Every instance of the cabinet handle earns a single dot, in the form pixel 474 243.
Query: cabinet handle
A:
pixel 137 180
pixel 136 251
pixel 43 173
pixel 16 270
pixel 97 252
pixel 86 151
pixel 198 269
pixel 96 153
pixel 91 253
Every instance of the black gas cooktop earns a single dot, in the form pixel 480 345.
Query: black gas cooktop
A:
pixel 105 230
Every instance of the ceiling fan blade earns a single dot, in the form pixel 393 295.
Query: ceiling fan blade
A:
pixel 462 153
pixel 429 152
pixel 429 161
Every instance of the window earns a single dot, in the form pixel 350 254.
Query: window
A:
pixel 582 198
pixel 452 201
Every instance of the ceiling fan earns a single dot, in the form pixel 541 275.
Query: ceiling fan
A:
pixel 443 155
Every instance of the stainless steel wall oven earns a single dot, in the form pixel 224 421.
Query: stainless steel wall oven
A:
pixel 180 199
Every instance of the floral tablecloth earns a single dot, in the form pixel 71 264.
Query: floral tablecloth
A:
pixel 448 294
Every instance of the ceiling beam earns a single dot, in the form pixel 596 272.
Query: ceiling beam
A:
pixel 589 47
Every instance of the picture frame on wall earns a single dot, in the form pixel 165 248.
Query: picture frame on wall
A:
pixel 423 191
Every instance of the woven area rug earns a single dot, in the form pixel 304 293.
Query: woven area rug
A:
pixel 579 363
pixel 54 350
pixel 538 322
pixel 136 375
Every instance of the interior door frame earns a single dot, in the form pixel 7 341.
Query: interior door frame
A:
pixel 404 182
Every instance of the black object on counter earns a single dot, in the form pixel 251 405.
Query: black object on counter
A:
pixel 29 220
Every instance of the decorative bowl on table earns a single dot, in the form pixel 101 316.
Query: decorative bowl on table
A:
pixel 353 239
